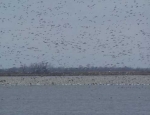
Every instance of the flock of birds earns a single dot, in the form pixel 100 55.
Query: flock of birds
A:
pixel 75 32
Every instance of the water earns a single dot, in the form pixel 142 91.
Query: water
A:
pixel 75 100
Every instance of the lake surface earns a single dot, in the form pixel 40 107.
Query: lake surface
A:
pixel 75 100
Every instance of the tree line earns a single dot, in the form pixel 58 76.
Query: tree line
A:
pixel 44 68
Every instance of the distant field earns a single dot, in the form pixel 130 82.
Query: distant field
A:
pixel 76 80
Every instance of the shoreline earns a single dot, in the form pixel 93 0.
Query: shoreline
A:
pixel 78 73
pixel 76 80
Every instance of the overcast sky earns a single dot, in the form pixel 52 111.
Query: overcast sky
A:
pixel 69 33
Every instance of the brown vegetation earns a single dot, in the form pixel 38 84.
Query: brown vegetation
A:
pixel 45 69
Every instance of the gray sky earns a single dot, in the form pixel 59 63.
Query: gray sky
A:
pixel 111 33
